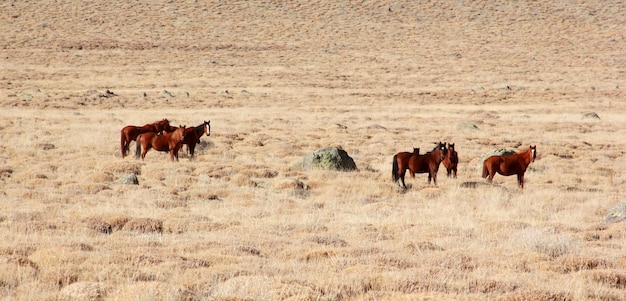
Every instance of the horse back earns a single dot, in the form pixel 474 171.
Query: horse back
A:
pixel 421 163
pixel 508 165
pixel 492 162
pixel 145 138
pixel 517 163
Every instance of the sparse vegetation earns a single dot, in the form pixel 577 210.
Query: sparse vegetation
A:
pixel 238 222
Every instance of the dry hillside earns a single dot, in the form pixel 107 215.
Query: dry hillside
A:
pixel 277 80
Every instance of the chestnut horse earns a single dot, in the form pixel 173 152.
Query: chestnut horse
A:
pixel 514 164
pixel 452 160
pixel 417 163
pixel 130 132
pixel 192 135
pixel 165 142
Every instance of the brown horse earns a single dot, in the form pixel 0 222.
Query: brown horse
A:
pixel 165 142
pixel 417 163
pixel 192 135
pixel 452 160
pixel 130 132
pixel 514 164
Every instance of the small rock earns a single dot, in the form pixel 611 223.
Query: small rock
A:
pixel 46 146
pixel 467 126
pixel 25 96
pixel 332 158
pixel 128 179
pixel 591 115
pixel 167 93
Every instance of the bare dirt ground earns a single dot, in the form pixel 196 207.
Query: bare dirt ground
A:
pixel 279 80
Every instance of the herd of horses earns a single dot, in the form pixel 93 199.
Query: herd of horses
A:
pixel 414 162
pixel 161 136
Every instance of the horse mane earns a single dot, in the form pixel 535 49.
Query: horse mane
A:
pixel 439 145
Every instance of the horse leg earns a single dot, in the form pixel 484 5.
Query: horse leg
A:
pixel 454 170
pixel 191 147
pixel 520 180
pixel 145 151
pixel 485 170
pixel 138 147
pixel 402 174
pixel 176 149
pixel 433 174
pixel 488 172
pixel 146 148
pixel 122 144
pixel 402 179
pixel 491 174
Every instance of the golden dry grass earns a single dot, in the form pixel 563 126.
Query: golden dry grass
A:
pixel 278 80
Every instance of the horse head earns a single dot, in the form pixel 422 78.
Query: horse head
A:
pixel 533 151
pixel 207 128
pixel 450 146
pixel 163 125
pixel 441 150
pixel 416 150
pixel 180 132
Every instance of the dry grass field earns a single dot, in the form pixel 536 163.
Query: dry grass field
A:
pixel 279 79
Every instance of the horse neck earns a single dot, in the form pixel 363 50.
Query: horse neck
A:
pixel 149 128
pixel 160 127
pixel 199 130
pixel 436 154
pixel 527 156
pixel 178 134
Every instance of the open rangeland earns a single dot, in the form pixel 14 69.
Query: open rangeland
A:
pixel 277 80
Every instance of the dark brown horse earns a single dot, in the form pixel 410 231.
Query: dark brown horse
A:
pixel 417 163
pixel 514 164
pixel 130 132
pixel 165 142
pixel 192 135
pixel 452 160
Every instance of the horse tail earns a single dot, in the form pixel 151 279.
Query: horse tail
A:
pixel 485 170
pixel 138 149
pixel 394 169
pixel 122 144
